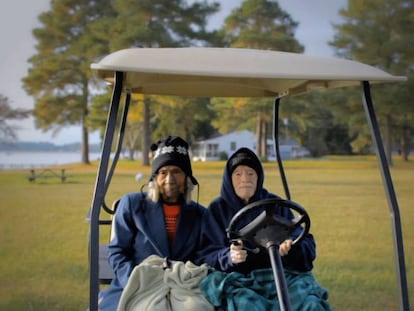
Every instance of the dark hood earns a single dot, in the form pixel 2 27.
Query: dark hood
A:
pixel 227 191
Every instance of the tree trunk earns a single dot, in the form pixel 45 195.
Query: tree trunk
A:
pixel 388 139
pixel 146 133
pixel 85 144
pixel 264 139
pixel 85 132
pixel 131 154
pixel 258 135
pixel 404 143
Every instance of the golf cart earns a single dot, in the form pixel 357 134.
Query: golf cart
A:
pixel 228 72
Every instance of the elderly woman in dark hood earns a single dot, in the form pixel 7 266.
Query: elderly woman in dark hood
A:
pixel 242 278
pixel 243 184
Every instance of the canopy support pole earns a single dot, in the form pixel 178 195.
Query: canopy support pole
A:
pixel 390 192
pixel 99 193
pixel 118 150
pixel 276 146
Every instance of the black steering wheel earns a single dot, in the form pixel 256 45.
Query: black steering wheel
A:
pixel 268 228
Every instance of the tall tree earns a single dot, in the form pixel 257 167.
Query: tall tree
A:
pixel 259 24
pixel 159 23
pixel 7 113
pixel 311 119
pixel 187 117
pixel 379 33
pixel 134 126
pixel 59 77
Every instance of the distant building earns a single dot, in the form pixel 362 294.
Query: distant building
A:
pixel 214 149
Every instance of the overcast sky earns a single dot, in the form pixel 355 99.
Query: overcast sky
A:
pixel 19 17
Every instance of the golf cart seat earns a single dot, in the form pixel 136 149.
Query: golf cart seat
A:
pixel 106 274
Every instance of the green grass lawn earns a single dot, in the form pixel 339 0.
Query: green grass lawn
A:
pixel 44 233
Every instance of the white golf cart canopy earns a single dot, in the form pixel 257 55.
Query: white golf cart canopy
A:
pixel 228 72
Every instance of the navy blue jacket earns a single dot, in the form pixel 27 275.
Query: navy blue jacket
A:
pixel 139 231
pixel 214 246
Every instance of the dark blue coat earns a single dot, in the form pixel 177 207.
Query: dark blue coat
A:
pixel 139 231
pixel 214 246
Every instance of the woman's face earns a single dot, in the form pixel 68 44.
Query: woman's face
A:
pixel 171 182
pixel 244 180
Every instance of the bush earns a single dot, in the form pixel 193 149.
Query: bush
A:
pixel 223 156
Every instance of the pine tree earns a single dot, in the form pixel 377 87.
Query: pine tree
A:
pixel 60 77
pixel 258 24
pixel 379 33
pixel 7 113
pixel 159 23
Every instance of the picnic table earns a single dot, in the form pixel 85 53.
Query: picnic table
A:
pixel 47 173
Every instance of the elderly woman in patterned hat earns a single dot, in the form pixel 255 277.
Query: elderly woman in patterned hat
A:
pixel 162 222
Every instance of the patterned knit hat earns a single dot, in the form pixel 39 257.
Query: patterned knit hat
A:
pixel 172 150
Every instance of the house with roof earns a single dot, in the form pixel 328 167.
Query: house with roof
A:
pixel 222 147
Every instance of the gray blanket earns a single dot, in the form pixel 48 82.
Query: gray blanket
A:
pixel 152 287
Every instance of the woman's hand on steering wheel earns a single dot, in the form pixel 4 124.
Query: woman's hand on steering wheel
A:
pixel 237 253
pixel 285 247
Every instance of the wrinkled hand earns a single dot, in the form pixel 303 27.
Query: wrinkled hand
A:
pixel 284 248
pixel 237 253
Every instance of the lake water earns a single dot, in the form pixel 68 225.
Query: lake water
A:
pixel 25 160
